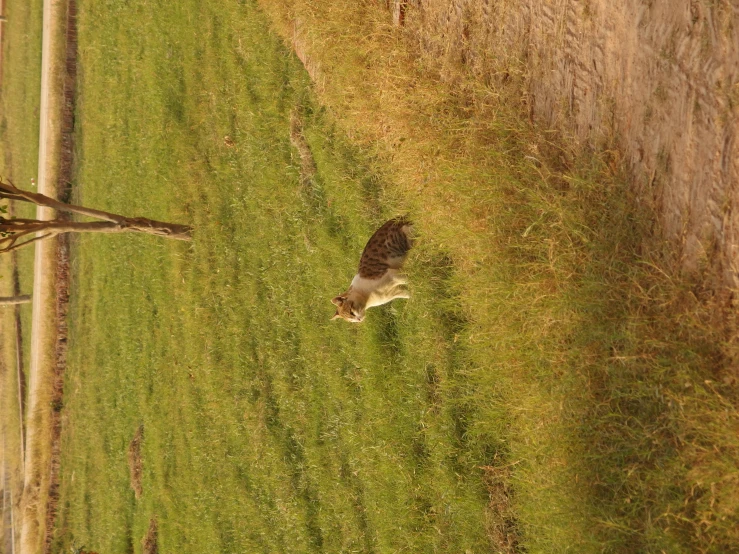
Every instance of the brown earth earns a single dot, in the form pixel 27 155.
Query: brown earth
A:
pixel 149 544
pixel 135 464
pixel 657 80
pixel 501 520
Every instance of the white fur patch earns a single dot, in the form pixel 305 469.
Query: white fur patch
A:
pixel 379 291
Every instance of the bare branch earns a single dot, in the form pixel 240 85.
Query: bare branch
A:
pixel 22 244
pixel 13 229
pixel 12 242
pixel 11 192
pixel 21 220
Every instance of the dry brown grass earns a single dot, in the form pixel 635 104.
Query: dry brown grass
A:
pixel 135 464
pixel 61 295
pixel 149 542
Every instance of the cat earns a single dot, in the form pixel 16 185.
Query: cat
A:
pixel 379 279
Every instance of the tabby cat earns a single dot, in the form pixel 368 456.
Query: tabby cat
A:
pixel 379 280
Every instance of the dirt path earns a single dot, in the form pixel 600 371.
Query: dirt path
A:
pixel 43 332
pixel 661 78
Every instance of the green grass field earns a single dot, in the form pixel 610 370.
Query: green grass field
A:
pixel 21 87
pixel 267 427
pixel 547 389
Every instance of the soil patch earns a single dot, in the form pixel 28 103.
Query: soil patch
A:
pixel 297 139
pixel 135 465
pixel 57 393
pixel 149 543
pixel 501 524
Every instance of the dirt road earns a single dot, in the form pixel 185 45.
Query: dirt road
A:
pixel 661 78
pixel 43 334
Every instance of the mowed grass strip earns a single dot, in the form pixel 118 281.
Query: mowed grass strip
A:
pixel 268 427
pixel 19 123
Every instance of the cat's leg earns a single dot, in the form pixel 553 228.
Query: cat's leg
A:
pixel 400 292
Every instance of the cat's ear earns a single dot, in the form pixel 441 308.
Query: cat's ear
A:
pixel 338 301
pixel 336 315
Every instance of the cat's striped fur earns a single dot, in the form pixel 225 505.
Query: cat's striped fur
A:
pixel 379 279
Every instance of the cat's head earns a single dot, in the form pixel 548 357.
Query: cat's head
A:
pixel 347 308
